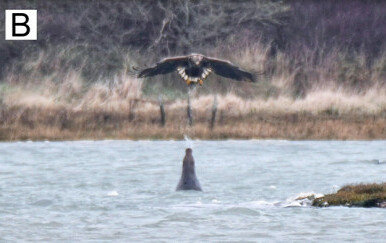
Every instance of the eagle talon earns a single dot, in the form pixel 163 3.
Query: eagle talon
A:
pixel 201 82
pixel 188 82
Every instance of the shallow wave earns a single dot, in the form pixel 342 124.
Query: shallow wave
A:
pixel 302 199
pixel 364 161
pixel 239 211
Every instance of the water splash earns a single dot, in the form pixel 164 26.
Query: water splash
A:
pixel 303 199
pixel 188 142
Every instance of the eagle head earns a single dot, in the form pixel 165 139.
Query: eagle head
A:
pixel 196 58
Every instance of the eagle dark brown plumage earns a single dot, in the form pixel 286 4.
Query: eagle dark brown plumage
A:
pixel 194 68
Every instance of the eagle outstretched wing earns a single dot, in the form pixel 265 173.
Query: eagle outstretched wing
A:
pixel 227 69
pixel 165 66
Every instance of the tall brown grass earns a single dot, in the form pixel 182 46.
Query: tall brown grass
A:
pixel 72 108
pixel 320 75
pixel 273 93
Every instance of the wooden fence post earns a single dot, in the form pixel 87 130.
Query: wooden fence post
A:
pixel 189 111
pixel 214 112
pixel 162 111
pixel 132 105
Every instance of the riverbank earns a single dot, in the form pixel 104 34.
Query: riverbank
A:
pixel 60 123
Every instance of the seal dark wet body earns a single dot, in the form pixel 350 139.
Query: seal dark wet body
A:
pixel 188 179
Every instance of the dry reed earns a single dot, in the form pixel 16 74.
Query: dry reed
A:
pixel 120 112
pixel 62 104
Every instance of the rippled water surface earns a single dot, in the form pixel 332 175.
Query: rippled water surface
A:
pixel 124 191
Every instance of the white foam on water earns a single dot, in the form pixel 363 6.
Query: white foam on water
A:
pixel 113 194
pixel 259 204
pixel 302 199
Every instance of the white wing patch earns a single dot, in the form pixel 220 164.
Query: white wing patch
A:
pixel 181 71
pixel 206 72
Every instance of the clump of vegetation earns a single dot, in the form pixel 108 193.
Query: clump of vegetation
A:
pixel 361 195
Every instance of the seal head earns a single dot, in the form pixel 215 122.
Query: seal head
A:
pixel 188 179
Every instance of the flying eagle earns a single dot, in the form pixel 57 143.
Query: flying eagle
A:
pixel 194 68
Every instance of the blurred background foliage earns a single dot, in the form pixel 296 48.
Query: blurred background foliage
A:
pixel 298 44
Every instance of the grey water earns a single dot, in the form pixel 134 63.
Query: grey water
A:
pixel 124 191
